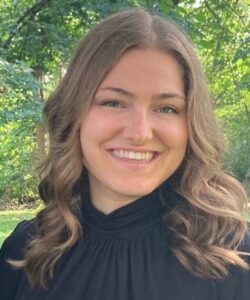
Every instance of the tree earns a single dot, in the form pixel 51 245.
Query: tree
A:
pixel 20 110
pixel 37 38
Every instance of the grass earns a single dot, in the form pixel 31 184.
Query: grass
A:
pixel 10 218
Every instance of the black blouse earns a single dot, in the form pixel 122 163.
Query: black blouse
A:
pixel 124 255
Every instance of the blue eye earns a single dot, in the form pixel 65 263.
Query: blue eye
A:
pixel 167 110
pixel 111 103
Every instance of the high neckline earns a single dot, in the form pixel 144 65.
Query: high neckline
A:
pixel 138 216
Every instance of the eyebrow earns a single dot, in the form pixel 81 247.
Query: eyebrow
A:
pixel 132 96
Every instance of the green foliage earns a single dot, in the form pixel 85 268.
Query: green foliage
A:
pixel 19 99
pixel 37 38
pixel 20 111
pixel 223 48
pixel 235 120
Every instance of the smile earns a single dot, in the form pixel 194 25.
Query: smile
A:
pixel 138 156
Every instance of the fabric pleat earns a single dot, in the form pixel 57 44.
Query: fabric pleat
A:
pixel 124 255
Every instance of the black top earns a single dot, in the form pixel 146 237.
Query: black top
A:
pixel 124 255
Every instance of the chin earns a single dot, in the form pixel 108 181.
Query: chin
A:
pixel 136 191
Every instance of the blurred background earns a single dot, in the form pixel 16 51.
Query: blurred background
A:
pixel 37 38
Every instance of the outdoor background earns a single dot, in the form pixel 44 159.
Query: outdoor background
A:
pixel 37 38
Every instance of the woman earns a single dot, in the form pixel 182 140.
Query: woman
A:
pixel 137 205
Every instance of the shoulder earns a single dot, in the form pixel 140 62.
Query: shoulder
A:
pixel 14 248
pixel 15 244
pixel 237 284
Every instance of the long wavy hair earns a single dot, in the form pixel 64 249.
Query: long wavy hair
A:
pixel 208 225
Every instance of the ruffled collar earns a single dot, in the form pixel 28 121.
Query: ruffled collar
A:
pixel 128 220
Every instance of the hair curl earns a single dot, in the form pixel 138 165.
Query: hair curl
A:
pixel 208 224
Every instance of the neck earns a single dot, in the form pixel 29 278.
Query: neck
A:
pixel 106 200
pixel 107 203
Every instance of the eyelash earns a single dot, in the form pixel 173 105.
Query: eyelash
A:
pixel 110 103
pixel 169 109
pixel 117 103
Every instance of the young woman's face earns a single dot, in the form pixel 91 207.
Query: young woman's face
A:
pixel 135 133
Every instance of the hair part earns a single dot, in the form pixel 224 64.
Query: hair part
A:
pixel 208 225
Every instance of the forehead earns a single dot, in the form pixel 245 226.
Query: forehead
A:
pixel 145 70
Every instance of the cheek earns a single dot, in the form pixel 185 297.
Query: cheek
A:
pixel 96 129
pixel 175 133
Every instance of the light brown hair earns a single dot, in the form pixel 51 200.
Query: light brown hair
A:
pixel 208 224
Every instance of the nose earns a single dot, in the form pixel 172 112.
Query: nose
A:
pixel 138 129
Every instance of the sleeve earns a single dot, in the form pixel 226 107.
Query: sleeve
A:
pixel 243 286
pixel 13 248
pixel 237 285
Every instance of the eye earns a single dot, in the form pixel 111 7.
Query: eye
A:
pixel 167 110
pixel 111 103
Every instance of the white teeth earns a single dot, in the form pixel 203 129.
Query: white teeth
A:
pixel 132 155
pixel 146 156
